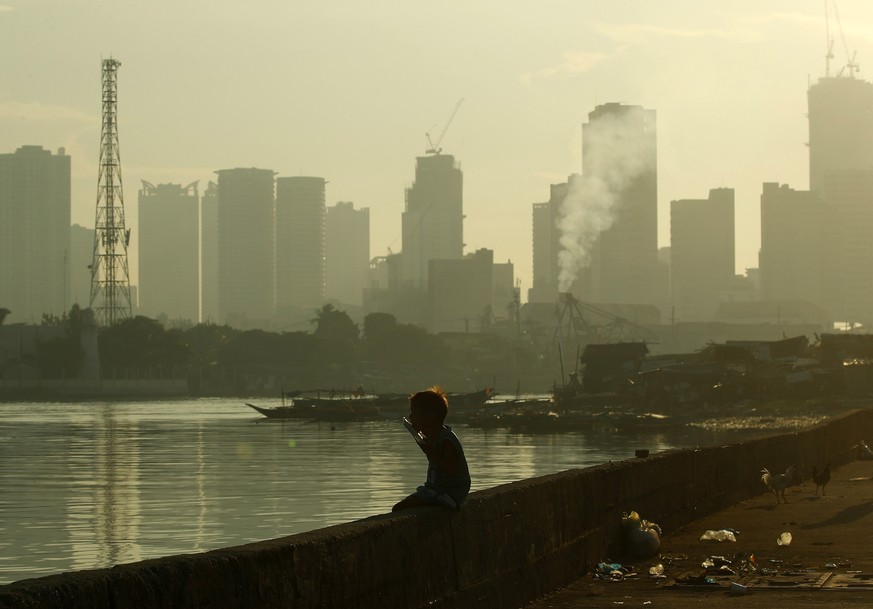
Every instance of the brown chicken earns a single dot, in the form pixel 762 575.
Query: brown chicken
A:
pixel 821 478
pixel 779 482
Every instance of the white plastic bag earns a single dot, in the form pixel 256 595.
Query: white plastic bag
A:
pixel 719 535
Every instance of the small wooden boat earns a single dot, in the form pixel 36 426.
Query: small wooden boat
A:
pixel 282 412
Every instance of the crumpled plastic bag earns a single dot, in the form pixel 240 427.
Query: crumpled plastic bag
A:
pixel 719 535
pixel 641 537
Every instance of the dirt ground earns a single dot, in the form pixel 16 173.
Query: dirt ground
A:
pixel 828 560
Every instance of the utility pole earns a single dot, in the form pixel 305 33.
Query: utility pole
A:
pixel 110 280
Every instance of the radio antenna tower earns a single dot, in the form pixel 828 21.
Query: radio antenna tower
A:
pixel 110 281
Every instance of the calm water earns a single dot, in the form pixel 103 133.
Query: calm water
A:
pixel 93 485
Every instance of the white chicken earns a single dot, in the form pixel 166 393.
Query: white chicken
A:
pixel 779 482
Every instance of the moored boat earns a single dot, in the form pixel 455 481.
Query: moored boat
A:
pixel 281 412
pixel 360 406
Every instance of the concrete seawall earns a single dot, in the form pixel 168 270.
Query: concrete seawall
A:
pixel 506 547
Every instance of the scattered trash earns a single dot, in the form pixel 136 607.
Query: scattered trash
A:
pixel 718 565
pixel 784 539
pixel 737 589
pixel 715 561
pixel 642 538
pixel 696 579
pixel 611 570
pixel 749 565
pixel 657 571
pixel 719 535
pixel 673 558
pixel 864 452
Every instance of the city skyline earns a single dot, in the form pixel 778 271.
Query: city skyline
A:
pixel 728 81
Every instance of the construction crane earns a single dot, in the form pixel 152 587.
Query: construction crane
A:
pixel 851 64
pixel 434 147
pixel 830 43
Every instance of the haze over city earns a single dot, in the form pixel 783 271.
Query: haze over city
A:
pixel 348 92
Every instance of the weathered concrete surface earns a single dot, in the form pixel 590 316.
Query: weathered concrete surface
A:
pixel 831 539
pixel 508 546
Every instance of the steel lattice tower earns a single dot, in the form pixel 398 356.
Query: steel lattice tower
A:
pixel 110 281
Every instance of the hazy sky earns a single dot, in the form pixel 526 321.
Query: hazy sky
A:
pixel 347 90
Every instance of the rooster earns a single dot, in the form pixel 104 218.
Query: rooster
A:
pixel 821 478
pixel 779 482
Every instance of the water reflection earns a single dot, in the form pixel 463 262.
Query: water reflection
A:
pixel 103 505
pixel 93 485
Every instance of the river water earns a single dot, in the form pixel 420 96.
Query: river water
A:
pixel 92 485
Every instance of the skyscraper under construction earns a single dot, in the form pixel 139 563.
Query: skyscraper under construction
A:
pixel 840 127
pixel 432 222
pixel 841 173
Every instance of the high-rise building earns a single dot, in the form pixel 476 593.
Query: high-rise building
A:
pixel 169 251
pixel 432 222
pixel 460 294
pixel 246 268
pixel 505 296
pixel 546 245
pixel 792 234
pixel 847 258
pixel 840 127
pixel 300 226
pixel 209 254
pixel 34 233
pixel 702 253
pixel 81 257
pixel 347 253
pixel 841 172
pixel 619 190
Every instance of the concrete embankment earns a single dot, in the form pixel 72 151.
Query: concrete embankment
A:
pixel 506 547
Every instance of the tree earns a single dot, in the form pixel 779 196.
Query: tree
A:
pixel 141 342
pixel 376 324
pixel 336 326
pixel 61 356
pixel 205 342
pixel 387 341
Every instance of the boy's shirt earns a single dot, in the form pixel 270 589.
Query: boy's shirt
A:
pixel 457 486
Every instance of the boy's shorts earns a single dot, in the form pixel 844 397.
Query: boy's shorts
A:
pixel 437 498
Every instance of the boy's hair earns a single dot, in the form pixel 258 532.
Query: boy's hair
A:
pixel 432 400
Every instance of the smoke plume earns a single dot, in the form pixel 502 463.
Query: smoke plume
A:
pixel 617 149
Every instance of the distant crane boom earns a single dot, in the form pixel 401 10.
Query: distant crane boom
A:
pixel 851 64
pixel 434 147
pixel 829 42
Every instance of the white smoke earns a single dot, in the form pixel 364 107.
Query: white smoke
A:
pixel 617 151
